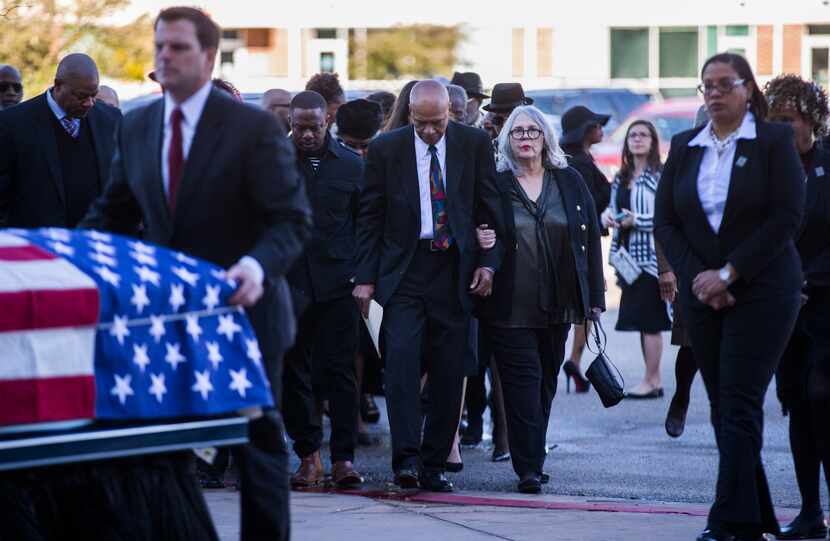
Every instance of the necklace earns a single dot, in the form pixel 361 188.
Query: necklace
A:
pixel 721 145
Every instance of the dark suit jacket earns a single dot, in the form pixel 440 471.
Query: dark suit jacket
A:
pixel 32 191
pixel 597 184
pixel 585 245
pixel 813 241
pixel 760 222
pixel 240 195
pixel 327 266
pixel 389 224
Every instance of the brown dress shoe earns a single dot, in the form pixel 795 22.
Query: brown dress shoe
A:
pixel 344 475
pixel 310 472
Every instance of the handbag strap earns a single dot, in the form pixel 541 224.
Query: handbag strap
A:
pixel 601 343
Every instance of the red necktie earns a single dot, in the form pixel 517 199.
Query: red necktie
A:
pixel 175 158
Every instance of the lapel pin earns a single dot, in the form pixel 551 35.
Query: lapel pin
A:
pixel 741 161
pixel 819 171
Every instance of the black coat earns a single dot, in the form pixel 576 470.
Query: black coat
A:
pixel 240 195
pixel 584 234
pixel 32 188
pixel 813 242
pixel 597 184
pixel 761 220
pixel 327 266
pixel 389 223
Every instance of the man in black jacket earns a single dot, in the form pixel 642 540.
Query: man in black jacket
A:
pixel 321 363
pixel 426 187
pixel 212 177
pixel 56 150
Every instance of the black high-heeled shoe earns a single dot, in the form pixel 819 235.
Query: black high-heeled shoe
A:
pixel 581 385
pixel 454 467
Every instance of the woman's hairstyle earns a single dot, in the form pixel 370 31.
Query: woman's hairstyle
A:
pixel 228 87
pixel 552 154
pixel 400 112
pixel 328 86
pixel 627 161
pixel 757 103
pixel 805 97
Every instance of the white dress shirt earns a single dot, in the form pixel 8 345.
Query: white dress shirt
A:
pixel 192 109
pixel 715 173
pixel 423 158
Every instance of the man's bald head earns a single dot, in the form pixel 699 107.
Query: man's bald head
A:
pixel 429 110
pixel 109 96
pixel 76 84
pixel 11 86
pixel 277 101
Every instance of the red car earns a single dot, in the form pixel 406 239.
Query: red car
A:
pixel 670 117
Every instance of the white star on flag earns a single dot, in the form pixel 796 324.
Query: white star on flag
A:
pixel 219 274
pixel 158 388
pixel 227 327
pixel 214 355
pixel 107 275
pixel 103 259
pixel 173 357
pixel 102 248
pixel 193 328
pixel 253 351
pixel 97 235
pixel 63 249
pixel 147 275
pixel 144 259
pixel 119 328
pixel 187 276
pixel 140 356
pixel 142 248
pixel 211 299
pixel 58 234
pixel 177 296
pixel 203 385
pixel 240 382
pixel 139 298
pixel 181 258
pixel 122 388
pixel 157 328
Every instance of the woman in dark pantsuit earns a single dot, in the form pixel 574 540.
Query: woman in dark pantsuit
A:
pixel 729 206
pixel 804 372
pixel 550 278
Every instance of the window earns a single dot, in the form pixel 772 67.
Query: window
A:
pixel 629 53
pixel 678 52
pixel 226 57
pixel 326 33
pixel 327 62
pixel 737 30
pixel 820 65
pixel 230 34
pixel 737 50
pixel 818 29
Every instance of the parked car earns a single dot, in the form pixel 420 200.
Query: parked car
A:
pixel 617 102
pixel 670 117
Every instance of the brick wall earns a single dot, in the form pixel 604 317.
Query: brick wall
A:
pixel 792 48
pixel 765 48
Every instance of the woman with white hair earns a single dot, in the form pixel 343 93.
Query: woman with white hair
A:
pixel 550 278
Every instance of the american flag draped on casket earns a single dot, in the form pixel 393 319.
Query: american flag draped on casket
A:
pixel 98 325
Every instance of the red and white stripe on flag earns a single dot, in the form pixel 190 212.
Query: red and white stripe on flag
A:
pixel 48 313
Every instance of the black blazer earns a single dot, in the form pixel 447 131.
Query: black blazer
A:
pixel 240 195
pixel 32 191
pixel 813 241
pixel 760 222
pixel 585 245
pixel 389 223
pixel 327 266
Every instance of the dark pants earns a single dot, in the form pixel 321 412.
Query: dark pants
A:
pixel 529 362
pixel 738 350
pixel 424 321
pixel 321 365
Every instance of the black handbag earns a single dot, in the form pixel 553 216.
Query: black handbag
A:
pixel 608 386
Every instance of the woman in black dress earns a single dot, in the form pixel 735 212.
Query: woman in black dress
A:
pixel 804 372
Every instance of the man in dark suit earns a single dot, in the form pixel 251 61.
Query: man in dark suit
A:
pixel 212 177
pixel 425 188
pixel 56 150
pixel 321 363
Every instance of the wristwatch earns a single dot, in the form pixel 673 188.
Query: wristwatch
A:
pixel 725 276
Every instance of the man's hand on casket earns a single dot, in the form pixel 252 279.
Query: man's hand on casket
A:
pixel 249 276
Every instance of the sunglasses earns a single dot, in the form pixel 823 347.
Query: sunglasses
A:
pixel 16 87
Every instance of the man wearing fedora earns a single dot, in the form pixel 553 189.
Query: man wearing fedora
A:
pixel 471 82
pixel 505 98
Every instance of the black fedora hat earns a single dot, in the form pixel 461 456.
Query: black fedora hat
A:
pixel 506 97
pixel 471 82
pixel 576 121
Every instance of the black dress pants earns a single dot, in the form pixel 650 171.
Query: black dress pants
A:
pixel 738 350
pixel 321 365
pixel 529 361
pixel 424 321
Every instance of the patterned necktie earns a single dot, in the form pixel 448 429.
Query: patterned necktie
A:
pixel 175 158
pixel 441 236
pixel 72 126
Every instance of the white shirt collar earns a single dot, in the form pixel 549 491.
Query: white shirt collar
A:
pixel 191 108
pixel 746 131
pixel 53 105
pixel 422 147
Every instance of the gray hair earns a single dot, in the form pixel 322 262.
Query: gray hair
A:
pixel 552 153
pixel 457 93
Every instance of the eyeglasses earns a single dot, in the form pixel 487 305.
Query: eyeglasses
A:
pixel 16 87
pixel 724 86
pixel 530 133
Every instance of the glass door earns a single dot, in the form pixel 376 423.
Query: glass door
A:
pixel 820 63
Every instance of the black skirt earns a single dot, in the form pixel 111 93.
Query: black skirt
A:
pixel 641 308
